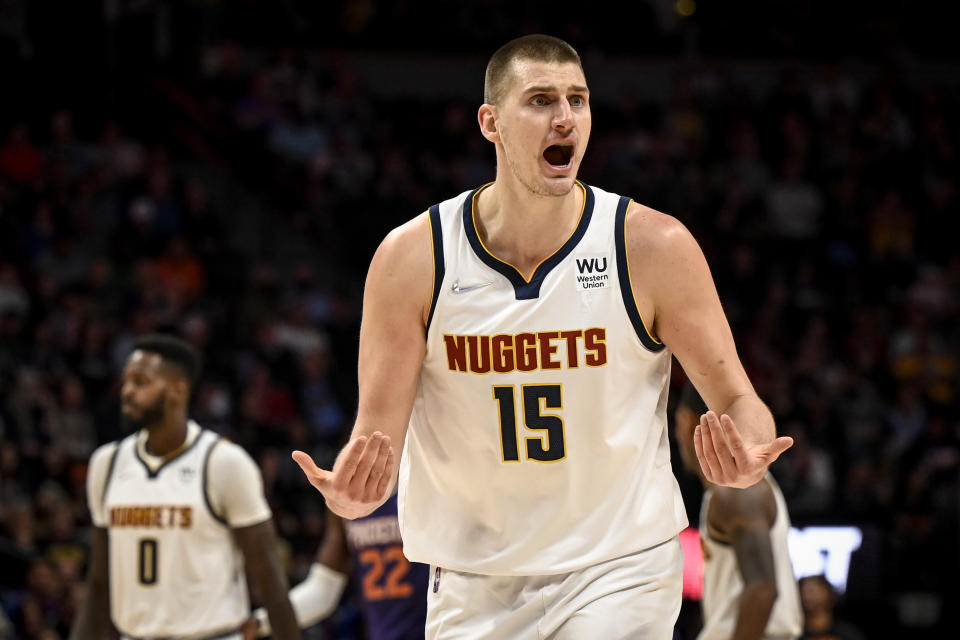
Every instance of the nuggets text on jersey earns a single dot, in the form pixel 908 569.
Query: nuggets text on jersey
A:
pixel 505 353
pixel 152 517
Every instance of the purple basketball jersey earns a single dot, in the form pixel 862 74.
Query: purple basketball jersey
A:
pixel 393 590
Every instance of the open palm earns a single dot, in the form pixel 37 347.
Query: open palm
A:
pixel 726 459
pixel 360 476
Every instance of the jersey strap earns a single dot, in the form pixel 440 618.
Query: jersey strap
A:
pixel 626 289
pixel 436 239
pixel 206 478
pixel 106 481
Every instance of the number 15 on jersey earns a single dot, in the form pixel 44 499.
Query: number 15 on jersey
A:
pixel 548 446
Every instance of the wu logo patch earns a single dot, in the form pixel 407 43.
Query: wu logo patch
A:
pixel 589 265
pixel 592 272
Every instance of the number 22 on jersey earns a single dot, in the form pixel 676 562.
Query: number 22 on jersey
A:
pixel 386 570
pixel 535 398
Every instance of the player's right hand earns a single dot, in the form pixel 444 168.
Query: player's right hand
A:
pixel 724 456
pixel 360 477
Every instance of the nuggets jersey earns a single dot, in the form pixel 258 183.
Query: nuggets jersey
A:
pixel 175 570
pixel 538 438
pixel 394 590
pixel 722 584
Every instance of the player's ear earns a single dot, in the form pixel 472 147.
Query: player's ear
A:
pixel 180 389
pixel 487 117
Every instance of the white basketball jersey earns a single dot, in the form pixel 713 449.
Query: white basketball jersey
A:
pixel 175 570
pixel 538 438
pixel 722 583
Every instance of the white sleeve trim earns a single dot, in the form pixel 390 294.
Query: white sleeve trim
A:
pixel 313 599
pixel 97 475
pixel 235 486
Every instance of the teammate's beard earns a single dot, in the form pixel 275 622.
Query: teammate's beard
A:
pixel 151 416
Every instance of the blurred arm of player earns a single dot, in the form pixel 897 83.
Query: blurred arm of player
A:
pixel 265 572
pixel 317 596
pixel 93 618
pixel 678 300
pixel 744 517
pixel 236 495
pixel 396 305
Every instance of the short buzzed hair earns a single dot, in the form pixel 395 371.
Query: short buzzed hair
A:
pixel 536 47
pixel 174 351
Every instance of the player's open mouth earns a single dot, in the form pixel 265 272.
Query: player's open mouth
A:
pixel 558 155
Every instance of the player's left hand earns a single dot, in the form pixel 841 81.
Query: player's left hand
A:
pixel 726 459
pixel 249 628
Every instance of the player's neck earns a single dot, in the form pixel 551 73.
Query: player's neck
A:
pixel 523 228
pixel 167 436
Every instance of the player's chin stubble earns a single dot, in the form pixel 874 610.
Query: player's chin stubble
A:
pixel 532 185
pixel 151 416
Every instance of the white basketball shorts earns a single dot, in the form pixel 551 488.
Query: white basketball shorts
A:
pixel 637 596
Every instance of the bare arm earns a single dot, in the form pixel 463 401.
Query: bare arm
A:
pixel 317 596
pixel 677 298
pixel 259 545
pixel 746 515
pixel 333 551
pixel 94 616
pixel 397 296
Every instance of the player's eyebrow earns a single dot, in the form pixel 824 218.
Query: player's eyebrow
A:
pixel 552 89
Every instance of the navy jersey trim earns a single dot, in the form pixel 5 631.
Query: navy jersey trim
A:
pixel 152 474
pixel 106 481
pixel 623 271
pixel 436 239
pixel 524 290
pixel 206 485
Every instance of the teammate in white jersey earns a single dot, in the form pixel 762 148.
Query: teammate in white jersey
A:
pixel 749 589
pixel 515 350
pixel 179 515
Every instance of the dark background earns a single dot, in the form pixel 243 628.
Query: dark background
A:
pixel 225 170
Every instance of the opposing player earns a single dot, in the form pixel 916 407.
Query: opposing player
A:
pixel 749 588
pixel 515 351
pixel 179 515
pixel 393 589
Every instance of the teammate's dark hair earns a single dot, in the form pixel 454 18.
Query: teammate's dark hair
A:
pixel 174 351
pixel 821 580
pixel 536 47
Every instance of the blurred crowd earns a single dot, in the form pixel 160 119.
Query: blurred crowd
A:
pixel 823 207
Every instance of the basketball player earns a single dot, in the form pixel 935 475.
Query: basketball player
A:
pixel 179 517
pixel 393 589
pixel 749 589
pixel 515 350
